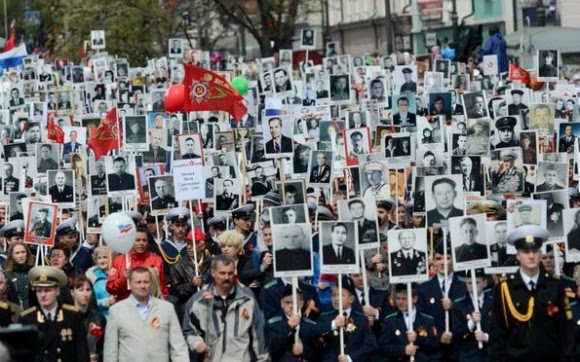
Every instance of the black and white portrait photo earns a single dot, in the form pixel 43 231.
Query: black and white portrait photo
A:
pixel 98 177
pixel 292 192
pixel 338 247
pixel 282 79
pixel 120 175
pixel 47 156
pixel 469 242
pixel 405 79
pixel 443 198
pixel 226 194
pixel 408 255
pixel 374 180
pixel 332 49
pixel 157 150
pixel 443 66
pixel 502 254
pixel 285 58
pixel 357 119
pixel 307 39
pixel 277 131
pixel 556 203
pixel 475 105
pixel 547 61
pixel 61 187
pixel 292 247
pixel 175 48
pixel 398 145
pixel 190 147
pixel 551 176
pixel 572 232
pixel 135 133
pixel 340 88
pixel 525 212
pixel 16 206
pixel 98 39
pixel 320 167
pixel 161 194
pixel 289 214
pixel 469 167
pixel 262 177
pixel 363 212
pixel 378 91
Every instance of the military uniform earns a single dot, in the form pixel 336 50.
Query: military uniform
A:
pixel 280 338
pixel 394 337
pixel 273 292
pixel 11 184
pixel 167 202
pixel 121 182
pixel 464 331
pixel 359 342
pixel 65 338
pixel 41 229
pixel 510 181
pixel 531 320
pixel 47 164
pixel 402 265
pixel 471 252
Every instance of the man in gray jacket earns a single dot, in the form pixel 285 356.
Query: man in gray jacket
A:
pixel 223 321
pixel 142 327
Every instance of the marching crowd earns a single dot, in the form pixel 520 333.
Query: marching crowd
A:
pixel 201 283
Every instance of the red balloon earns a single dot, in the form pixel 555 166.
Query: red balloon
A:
pixel 175 98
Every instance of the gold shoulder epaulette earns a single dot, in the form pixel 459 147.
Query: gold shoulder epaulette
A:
pixel 70 307
pixel 28 311
pixel 3 305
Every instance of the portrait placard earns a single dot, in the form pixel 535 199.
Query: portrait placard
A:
pixel 408 255
pixel 188 179
pixel 363 212
pixel 339 247
pixel 292 247
pixel 469 242
pixel 40 225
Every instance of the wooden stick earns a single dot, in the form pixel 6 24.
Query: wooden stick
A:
pixel 363 271
pixel 340 312
pixel 445 272
pixel 409 309
pixel 195 264
pixel 475 299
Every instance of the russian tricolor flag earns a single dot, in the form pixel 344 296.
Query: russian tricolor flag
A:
pixel 13 57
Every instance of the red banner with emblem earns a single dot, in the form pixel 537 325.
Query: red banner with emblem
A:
pixel 107 136
pixel 208 91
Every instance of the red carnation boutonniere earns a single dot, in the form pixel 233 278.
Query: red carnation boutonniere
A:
pixel 96 331
pixel 552 309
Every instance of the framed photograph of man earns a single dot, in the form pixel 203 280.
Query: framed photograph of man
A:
pixel 98 39
pixel 474 104
pixel 15 205
pixel 292 192
pixel 98 177
pixel 61 187
pixel 469 242
pixel 398 145
pixel 262 177
pixel 541 118
pixel 404 110
pixel 443 199
pixel 340 92
pixel 525 212
pixel 120 175
pixel 282 80
pixel 556 203
pixel 433 82
pixel 226 194
pixel 363 212
pixel 289 214
pixel 161 194
pixel 443 66
pixel 47 156
pixel 143 175
pixel 75 138
pixel 502 254
pixel 175 48
pixel 292 248
pixel 190 147
pixel 548 65
pixel 440 104
pixel 405 79
pixel 506 171
pixel 332 49
pixel 339 247
pixel 567 135
pixel 572 232
pixel 308 39
pixel 357 119
pixel 378 90
pixel 224 140
pixel 40 225
pixel 551 176
pixel 96 212
pixel 320 167
pixel 408 261
pixel 356 143
pixel 277 136
pixel 135 133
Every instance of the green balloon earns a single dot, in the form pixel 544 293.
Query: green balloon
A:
pixel 240 84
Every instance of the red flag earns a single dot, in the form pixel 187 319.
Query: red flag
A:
pixel 107 136
pixel 55 133
pixel 11 41
pixel 82 51
pixel 208 91
pixel 518 73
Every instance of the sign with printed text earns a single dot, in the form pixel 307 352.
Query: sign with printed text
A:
pixel 490 66
pixel 189 180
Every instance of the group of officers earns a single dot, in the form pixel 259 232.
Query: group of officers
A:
pixel 531 315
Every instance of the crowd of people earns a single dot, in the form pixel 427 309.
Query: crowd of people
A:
pixel 369 208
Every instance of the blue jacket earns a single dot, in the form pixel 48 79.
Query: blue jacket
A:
pixel 98 277
pixel 467 346
pixel 359 344
pixel 271 295
pixel 280 339
pixel 495 44
pixel 394 337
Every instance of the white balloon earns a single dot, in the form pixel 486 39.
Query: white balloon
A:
pixel 118 231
